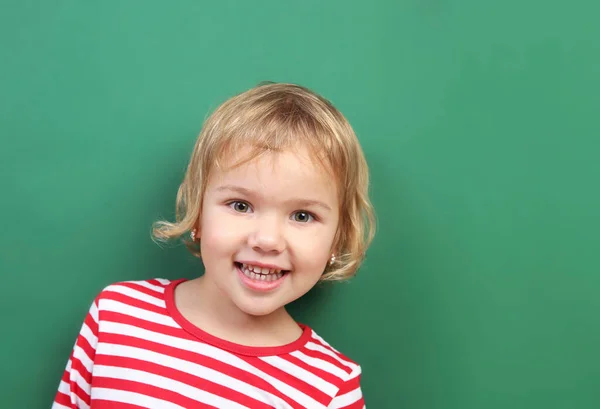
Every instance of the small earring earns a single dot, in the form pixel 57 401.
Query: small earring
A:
pixel 332 260
pixel 193 235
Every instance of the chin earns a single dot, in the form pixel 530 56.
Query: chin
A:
pixel 258 310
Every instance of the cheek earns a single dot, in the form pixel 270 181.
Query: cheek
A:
pixel 313 251
pixel 217 236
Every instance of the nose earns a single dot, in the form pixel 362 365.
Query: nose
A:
pixel 267 235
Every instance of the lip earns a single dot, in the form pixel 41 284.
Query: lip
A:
pixel 260 286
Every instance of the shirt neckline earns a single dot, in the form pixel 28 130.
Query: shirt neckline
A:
pixel 222 343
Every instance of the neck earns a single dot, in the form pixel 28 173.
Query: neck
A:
pixel 205 306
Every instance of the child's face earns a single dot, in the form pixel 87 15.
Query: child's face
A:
pixel 277 212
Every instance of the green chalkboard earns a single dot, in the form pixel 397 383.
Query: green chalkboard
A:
pixel 479 120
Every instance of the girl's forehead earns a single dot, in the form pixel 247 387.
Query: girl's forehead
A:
pixel 302 159
pixel 283 171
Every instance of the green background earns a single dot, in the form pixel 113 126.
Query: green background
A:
pixel 480 122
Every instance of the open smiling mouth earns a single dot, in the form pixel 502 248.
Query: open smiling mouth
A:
pixel 260 274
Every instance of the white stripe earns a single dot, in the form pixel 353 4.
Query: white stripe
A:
pixel 163 281
pixel 191 368
pixel 74 375
pixel 341 356
pixel 322 349
pixel 346 399
pixel 321 364
pixel 163 382
pixel 117 306
pixel 301 373
pixel 56 405
pixel 321 340
pixel 212 352
pixel 132 398
pixel 82 383
pixel 63 388
pixel 94 312
pixel 81 404
pixel 87 333
pixel 138 295
pixel 146 284
pixel 85 360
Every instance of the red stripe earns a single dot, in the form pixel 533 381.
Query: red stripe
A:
pixel 325 345
pixel 348 363
pixel 134 302
pixel 350 385
pixel 80 393
pixel 64 399
pixel 78 366
pixel 89 350
pixel 107 404
pixel 65 377
pixel 83 343
pixel 183 377
pixel 289 379
pixel 90 321
pixel 321 373
pixel 325 357
pixel 157 283
pixel 120 318
pixel 151 391
pixel 143 289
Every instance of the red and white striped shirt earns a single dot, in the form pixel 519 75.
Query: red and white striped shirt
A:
pixel 135 350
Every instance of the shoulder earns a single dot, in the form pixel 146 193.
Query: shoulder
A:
pixel 156 284
pixel 149 291
pixel 346 368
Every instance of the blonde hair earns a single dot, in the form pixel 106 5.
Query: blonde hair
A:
pixel 274 117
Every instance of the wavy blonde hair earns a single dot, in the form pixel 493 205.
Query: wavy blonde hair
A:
pixel 274 117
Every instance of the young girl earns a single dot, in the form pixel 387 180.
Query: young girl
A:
pixel 274 200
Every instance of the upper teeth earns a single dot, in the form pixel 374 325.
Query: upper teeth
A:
pixel 259 270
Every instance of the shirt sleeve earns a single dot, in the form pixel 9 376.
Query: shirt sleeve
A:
pixel 350 394
pixel 75 385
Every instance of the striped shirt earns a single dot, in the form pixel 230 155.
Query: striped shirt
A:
pixel 135 350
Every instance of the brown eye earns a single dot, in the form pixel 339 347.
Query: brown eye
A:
pixel 302 217
pixel 241 207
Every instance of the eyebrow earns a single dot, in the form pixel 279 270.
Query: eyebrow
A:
pixel 234 188
pixel 248 192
